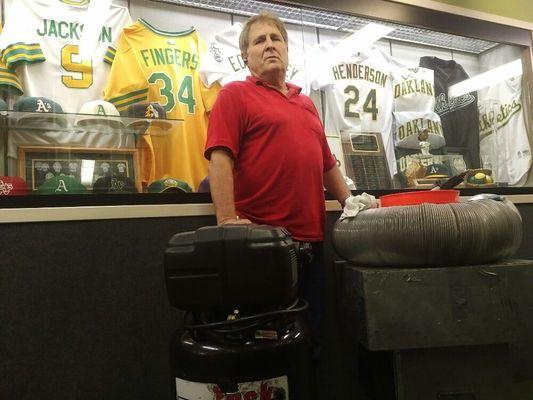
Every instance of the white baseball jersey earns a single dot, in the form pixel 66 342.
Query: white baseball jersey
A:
pixel 407 126
pixel 504 146
pixel 413 89
pixel 223 61
pixel 41 41
pixel 358 95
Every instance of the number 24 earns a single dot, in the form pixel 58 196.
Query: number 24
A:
pixel 369 106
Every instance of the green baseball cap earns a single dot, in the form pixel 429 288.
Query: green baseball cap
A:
pixel 61 185
pixel 168 185
pixel 437 171
pixel 38 109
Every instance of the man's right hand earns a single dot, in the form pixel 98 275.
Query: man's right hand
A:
pixel 234 221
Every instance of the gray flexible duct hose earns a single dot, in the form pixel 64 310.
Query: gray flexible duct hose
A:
pixel 423 235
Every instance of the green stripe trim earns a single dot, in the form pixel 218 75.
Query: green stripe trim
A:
pixel 11 84
pixel 128 95
pixel 23 59
pixel 31 53
pixel 165 33
pixel 11 87
pixel 15 52
pixel 28 46
pixel 6 73
pixel 109 56
pixel 131 99
pixel 9 76
pixel 75 3
pixel 14 82
pixel 122 107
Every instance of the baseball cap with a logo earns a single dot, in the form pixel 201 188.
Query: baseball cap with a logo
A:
pixel 114 184
pixel 35 110
pixel 437 171
pixel 99 112
pixel 168 185
pixel 61 185
pixel 148 114
pixel 12 186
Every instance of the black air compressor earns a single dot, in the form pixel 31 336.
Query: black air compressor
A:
pixel 244 337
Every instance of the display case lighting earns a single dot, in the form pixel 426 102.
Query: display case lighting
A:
pixel 486 79
pixel 87 171
pixel 340 22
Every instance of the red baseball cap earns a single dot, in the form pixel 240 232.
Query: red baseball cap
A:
pixel 13 186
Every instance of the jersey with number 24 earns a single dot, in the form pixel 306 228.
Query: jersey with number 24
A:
pixel 358 94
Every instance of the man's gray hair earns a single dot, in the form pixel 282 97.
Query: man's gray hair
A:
pixel 263 16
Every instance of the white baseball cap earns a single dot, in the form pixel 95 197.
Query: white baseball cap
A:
pixel 99 112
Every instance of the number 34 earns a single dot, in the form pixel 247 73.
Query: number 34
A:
pixel 185 92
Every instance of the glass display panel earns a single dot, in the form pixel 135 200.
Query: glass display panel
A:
pixel 401 106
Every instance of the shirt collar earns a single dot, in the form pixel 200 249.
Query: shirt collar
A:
pixel 293 89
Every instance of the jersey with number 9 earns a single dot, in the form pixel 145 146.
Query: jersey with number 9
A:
pixel 151 65
pixel 41 42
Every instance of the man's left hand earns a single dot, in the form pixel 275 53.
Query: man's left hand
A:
pixel 354 204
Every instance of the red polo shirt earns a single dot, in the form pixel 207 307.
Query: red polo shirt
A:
pixel 280 153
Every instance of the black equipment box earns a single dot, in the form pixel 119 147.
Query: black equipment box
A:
pixel 449 329
pixel 232 266
pixel 409 308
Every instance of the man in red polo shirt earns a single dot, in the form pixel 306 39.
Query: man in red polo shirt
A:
pixel 269 160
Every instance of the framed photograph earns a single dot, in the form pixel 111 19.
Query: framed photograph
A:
pixel 37 164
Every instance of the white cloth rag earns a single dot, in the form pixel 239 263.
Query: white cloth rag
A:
pixel 354 204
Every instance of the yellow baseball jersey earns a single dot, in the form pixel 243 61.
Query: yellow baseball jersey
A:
pixel 9 80
pixel 151 65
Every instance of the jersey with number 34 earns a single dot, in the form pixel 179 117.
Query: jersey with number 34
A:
pixel 41 41
pixel 152 65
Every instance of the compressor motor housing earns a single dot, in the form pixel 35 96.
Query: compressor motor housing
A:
pixel 227 267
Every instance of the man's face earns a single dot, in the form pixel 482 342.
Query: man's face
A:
pixel 267 50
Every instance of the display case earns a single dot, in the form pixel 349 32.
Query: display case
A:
pixel 120 104
pixel 82 289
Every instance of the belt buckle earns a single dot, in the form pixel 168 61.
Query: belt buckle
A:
pixel 305 253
